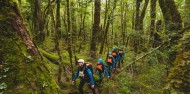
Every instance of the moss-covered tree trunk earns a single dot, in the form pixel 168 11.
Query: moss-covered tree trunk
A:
pixel 107 28
pixel 171 15
pixel 187 13
pixel 37 20
pixel 57 48
pixel 74 25
pixel 69 36
pixel 143 12
pixel 96 27
pixel 152 22
pixel 173 24
pixel 137 24
pixel 179 77
pixel 23 70
pixel 57 25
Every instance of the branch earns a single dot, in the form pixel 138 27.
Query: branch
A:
pixel 184 29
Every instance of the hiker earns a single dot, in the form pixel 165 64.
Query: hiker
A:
pixel 115 55
pixel 102 69
pixel 111 63
pixel 84 72
pixel 121 55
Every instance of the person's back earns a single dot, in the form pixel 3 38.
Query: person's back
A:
pixel 115 54
pixel 100 67
pixel 121 55
pixel 111 63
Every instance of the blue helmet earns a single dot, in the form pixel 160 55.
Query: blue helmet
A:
pixel 114 49
pixel 121 47
pixel 100 60
pixel 109 53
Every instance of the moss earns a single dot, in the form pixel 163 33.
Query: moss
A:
pixel 24 75
pixel 179 78
pixel 21 72
pixel 51 57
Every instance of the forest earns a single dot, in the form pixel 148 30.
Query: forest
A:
pixel 94 46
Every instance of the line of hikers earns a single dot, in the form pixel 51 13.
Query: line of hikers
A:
pixel 85 70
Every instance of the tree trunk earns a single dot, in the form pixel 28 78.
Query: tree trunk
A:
pixel 106 12
pixel 96 27
pixel 137 24
pixel 104 26
pixel 125 23
pixel 69 36
pixel 57 48
pixel 74 25
pixel 143 15
pixel 38 22
pixel 107 27
pixel 173 24
pixel 187 13
pixel 171 15
pixel 122 20
pixel 58 19
pixel 137 15
pixel 82 21
pixel 112 33
pixel 57 26
pixel 152 23
pixel 26 73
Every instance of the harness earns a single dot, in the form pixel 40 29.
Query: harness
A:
pixel 83 72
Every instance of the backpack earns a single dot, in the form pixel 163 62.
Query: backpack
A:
pixel 86 65
pixel 99 67
pixel 109 60
pixel 89 65
pixel 114 54
pixel 121 52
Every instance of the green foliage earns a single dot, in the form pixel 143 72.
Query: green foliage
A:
pixel 3 86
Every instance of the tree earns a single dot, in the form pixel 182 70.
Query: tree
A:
pixel 173 24
pixel 153 18
pixel 96 27
pixel 143 12
pixel 124 7
pixel 171 15
pixel 106 29
pixel 69 36
pixel 38 20
pixel 178 79
pixel 187 13
pixel 26 71
pixel 57 37
pixel 83 14
pixel 139 17
pixel 58 25
pixel 74 25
